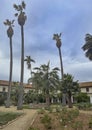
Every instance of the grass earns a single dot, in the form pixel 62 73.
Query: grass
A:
pixel 5 117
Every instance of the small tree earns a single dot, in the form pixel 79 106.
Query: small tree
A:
pixel 70 87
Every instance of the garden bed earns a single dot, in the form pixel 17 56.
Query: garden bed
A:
pixel 65 120
pixel 7 117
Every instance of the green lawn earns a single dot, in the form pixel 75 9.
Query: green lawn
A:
pixel 5 117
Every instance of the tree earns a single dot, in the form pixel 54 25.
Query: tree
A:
pixel 58 44
pixel 28 61
pixel 70 87
pixel 47 80
pixel 88 46
pixel 10 34
pixel 21 21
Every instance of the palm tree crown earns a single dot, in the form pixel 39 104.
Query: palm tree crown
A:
pixel 10 29
pixel 58 40
pixel 88 46
pixel 28 61
pixel 21 16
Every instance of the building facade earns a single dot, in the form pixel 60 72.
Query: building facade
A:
pixel 86 87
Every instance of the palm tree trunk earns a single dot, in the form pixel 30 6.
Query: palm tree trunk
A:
pixel 62 75
pixel 61 64
pixel 47 98
pixel 69 100
pixel 10 76
pixel 20 96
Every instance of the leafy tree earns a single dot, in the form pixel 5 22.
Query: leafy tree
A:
pixel 28 61
pixel 58 44
pixel 21 21
pixel 10 33
pixel 70 87
pixel 88 46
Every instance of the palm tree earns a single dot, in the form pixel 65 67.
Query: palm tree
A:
pixel 88 46
pixel 70 86
pixel 46 79
pixel 28 61
pixel 9 34
pixel 21 21
pixel 58 44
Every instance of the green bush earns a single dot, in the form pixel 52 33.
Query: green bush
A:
pixel 41 111
pixel 32 128
pixel 46 120
pixel 90 123
pixel 78 125
pixel 82 97
pixel 84 106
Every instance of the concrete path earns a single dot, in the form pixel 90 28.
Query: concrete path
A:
pixel 23 122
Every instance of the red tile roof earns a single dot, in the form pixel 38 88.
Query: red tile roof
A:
pixel 6 83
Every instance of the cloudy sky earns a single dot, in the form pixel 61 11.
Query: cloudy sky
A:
pixel 44 18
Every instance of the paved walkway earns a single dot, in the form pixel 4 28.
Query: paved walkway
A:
pixel 23 122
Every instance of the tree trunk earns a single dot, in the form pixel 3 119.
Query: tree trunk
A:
pixel 69 100
pixel 61 64
pixel 20 96
pixel 62 75
pixel 47 98
pixel 8 102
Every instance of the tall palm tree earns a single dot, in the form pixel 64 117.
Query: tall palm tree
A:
pixel 9 34
pixel 58 44
pixel 21 21
pixel 88 46
pixel 28 61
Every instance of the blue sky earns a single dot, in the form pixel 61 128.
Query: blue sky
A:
pixel 44 18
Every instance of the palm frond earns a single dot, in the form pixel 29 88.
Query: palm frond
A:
pixel 32 60
pixel 56 68
pixel 23 5
pixel 12 21
pixel 5 23
pixel 16 14
pixel 15 6
pixel 89 53
pixel 20 7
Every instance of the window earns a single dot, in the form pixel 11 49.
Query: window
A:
pixel 4 89
pixel 87 89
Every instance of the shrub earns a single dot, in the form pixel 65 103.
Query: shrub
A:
pixel 78 125
pixel 32 128
pixel 90 123
pixel 84 106
pixel 82 97
pixel 46 120
pixel 67 116
pixel 41 111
